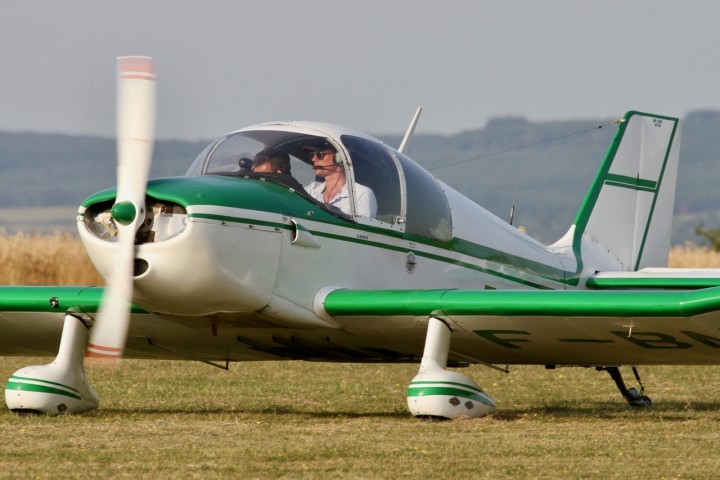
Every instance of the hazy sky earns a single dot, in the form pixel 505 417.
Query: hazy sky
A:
pixel 222 65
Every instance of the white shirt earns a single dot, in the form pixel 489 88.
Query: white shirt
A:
pixel 365 202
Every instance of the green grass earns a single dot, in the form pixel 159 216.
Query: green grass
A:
pixel 306 420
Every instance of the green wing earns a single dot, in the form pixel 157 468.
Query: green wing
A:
pixel 578 327
pixel 601 327
pixel 31 318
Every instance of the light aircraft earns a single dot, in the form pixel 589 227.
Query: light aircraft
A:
pixel 228 265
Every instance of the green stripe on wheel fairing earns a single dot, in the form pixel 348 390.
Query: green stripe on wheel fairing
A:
pixel 39 380
pixel 426 391
pixel 457 384
pixel 24 386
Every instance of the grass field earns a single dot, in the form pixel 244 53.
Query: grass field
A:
pixel 318 420
pixel 304 420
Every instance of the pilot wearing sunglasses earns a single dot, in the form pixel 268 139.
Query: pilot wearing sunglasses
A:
pixel 333 190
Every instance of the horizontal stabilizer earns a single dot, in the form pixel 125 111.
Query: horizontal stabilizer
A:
pixel 660 278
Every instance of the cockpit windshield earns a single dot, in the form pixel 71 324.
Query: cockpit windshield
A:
pixel 312 165
pixel 234 154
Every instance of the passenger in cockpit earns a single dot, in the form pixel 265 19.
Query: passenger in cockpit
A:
pixel 275 165
pixel 333 191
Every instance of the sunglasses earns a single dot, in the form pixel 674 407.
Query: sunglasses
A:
pixel 320 154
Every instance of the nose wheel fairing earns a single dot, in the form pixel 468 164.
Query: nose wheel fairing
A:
pixel 60 387
pixel 438 393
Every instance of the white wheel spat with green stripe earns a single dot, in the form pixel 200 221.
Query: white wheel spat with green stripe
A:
pixel 445 394
pixel 60 387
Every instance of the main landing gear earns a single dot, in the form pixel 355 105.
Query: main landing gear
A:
pixel 438 393
pixel 631 395
pixel 59 387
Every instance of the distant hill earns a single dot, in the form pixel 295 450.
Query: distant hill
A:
pixel 50 169
pixel 547 180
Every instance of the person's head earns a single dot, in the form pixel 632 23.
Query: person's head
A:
pixel 271 161
pixel 324 158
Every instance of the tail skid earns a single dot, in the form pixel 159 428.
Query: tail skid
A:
pixel 625 221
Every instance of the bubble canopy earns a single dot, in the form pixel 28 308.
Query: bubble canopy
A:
pixel 407 198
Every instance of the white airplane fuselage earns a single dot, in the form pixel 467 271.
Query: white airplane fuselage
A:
pixel 244 261
pixel 378 262
pixel 255 259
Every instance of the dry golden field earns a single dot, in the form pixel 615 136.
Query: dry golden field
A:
pixel 692 256
pixel 45 259
pixel 60 259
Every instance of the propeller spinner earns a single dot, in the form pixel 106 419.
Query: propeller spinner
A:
pixel 135 132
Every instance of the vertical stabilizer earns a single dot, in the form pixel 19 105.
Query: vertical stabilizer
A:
pixel 625 221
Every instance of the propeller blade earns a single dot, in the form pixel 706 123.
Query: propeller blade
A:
pixel 107 337
pixel 136 132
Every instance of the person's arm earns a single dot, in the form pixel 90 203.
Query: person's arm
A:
pixel 365 202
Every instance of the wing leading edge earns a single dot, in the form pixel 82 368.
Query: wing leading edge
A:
pixel 527 303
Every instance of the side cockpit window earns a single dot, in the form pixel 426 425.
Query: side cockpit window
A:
pixel 375 168
pixel 428 211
